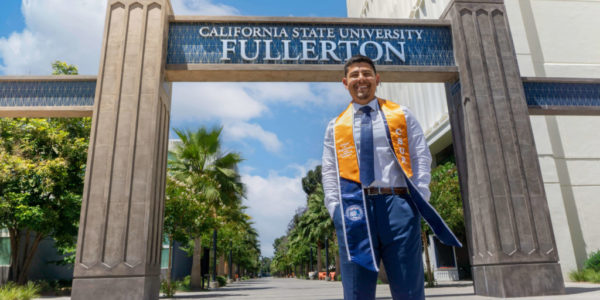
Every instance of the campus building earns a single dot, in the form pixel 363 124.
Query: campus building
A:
pixel 559 39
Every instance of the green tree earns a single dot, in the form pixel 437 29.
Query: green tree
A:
pixel 42 166
pixel 181 210
pixel 62 68
pixel 311 225
pixel 312 180
pixel 265 266
pixel 211 175
pixel 445 198
pixel 315 225
pixel 281 262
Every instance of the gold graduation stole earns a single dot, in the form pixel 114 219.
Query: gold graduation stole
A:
pixel 397 134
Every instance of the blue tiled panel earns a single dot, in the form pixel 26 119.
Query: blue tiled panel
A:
pixel 454 88
pixel 47 93
pixel 541 94
pixel 187 46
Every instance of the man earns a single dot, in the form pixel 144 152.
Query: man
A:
pixel 376 173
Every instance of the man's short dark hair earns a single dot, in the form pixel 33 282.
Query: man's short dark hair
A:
pixel 358 59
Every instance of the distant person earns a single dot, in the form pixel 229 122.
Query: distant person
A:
pixel 376 174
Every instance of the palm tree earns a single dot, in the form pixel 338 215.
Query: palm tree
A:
pixel 315 225
pixel 199 163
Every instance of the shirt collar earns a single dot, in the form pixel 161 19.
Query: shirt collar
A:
pixel 373 104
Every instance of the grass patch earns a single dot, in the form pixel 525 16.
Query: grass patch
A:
pixel 12 291
pixel 591 270
pixel 222 281
pixel 585 275
pixel 168 288
pixel 184 284
pixel 593 262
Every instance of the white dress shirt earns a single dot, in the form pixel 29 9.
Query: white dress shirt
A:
pixel 388 172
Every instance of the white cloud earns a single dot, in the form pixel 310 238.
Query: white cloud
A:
pixel 301 170
pixel 55 30
pixel 71 31
pixel 227 102
pixel 202 7
pixel 272 201
pixel 301 94
pixel 244 130
pixel 234 105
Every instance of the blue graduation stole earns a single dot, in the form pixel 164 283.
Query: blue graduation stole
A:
pixel 353 208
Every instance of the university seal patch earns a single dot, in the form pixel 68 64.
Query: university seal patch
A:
pixel 354 212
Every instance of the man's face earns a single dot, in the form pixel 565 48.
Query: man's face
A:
pixel 361 81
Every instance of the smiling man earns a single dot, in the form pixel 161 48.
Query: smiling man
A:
pixel 376 173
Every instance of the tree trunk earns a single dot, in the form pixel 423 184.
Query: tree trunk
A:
pixel 230 263
pixel 214 270
pixel 338 268
pixel 327 256
pixel 222 266
pixel 319 247
pixel 170 265
pixel 28 258
pixel 427 260
pixel 22 255
pixel 196 274
pixel 13 273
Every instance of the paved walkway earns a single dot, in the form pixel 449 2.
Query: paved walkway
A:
pixel 288 289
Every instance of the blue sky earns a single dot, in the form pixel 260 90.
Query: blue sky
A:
pixel 277 127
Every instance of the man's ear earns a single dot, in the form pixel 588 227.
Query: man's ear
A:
pixel 345 82
pixel 377 79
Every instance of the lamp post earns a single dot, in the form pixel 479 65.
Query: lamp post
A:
pixel 327 257
pixel 213 283
pixel 311 260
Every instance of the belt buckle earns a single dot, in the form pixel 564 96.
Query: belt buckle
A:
pixel 373 191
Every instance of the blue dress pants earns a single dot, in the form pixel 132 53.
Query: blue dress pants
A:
pixel 395 228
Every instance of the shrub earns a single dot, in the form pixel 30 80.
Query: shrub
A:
pixel 54 287
pixel 168 288
pixel 593 262
pixel 222 280
pixel 577 276
pixel 587 275
pixel 184 285
pixel 11 291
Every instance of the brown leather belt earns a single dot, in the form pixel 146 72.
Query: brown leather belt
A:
pixel 370 191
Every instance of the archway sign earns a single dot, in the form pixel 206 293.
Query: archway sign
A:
pixel 145 47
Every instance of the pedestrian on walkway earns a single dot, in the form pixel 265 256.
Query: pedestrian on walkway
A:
pixel 376 174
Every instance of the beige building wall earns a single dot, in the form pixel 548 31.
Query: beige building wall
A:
pixel 553 38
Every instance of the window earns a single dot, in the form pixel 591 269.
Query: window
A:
pixel 164 253
pixel 4 248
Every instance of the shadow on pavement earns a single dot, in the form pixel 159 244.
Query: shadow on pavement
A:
pixel 242 288
pixel 452 284
pixel 200 295
pixel 450 295
pixel 579 290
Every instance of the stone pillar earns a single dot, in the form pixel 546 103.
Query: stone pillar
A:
pixel 511 241
pixel 120 233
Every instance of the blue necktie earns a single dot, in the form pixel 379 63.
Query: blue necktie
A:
pixel 367 161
